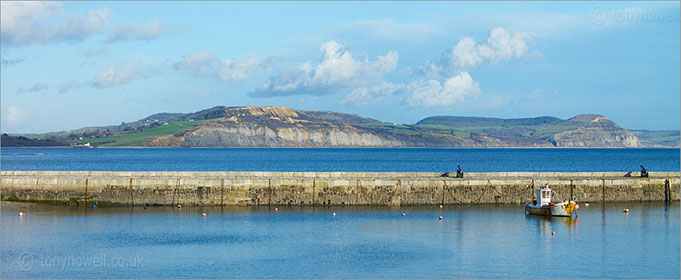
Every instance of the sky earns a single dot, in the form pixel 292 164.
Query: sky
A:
pixel 68 65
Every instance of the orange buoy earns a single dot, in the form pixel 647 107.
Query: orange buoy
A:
pixel 276 209
pixel 22 213
pixel 553 233
pixel 440 218
pixel 203 215
pixel 576 206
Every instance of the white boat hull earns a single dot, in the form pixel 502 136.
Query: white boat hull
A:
pixel 564 209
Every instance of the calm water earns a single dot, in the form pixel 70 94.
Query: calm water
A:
pixel 471 242
pixel 421 160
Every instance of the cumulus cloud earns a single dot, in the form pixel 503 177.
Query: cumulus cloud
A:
pixel 66 86
pixel 433 94
pixel 366 96
pixel 419 93
pixel 38 22
pixel 15 115
pixel 389 29
pixel 452 67
pixel 339 69
pixel 120 74
pixel 468 54
pixel 207 64
pixel 39 86
pixel 133 31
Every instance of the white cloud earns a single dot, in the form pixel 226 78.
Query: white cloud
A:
pixel 431 93
pixel 419 93
pixel 133 31
pixel 467 54
pixel 37 22
pixel 120 74
pixel 366 96
pixel 205 63
pixel 66 86
pixel 458 84
pixel 38 86
pixel 389 29
pixel 15 115
pixel 339 69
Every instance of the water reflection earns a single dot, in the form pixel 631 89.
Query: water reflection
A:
pixel 359 242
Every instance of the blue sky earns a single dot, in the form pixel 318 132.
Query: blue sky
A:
pixel 67 65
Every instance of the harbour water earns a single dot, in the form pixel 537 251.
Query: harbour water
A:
pixel 53 241
pixel 351 160
pixel 477 241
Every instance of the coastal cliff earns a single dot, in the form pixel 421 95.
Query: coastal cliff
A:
pixel 285 127
pixel 598 132
pixel 274 127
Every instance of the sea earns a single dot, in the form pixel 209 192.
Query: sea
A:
pixel 338 160
pixel 336 242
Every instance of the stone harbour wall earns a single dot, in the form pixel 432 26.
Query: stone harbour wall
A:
pixel 328 188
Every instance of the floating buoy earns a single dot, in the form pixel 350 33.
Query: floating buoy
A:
pixel 440 218
pixel 576 206
pixel 553 233
pixel 179 206
pixel 403 214
pixel 625 210
pixel 334 213
pixel 22 213
pixel 440 205
pixel 203 215
pixel 276 209
pixel 587 204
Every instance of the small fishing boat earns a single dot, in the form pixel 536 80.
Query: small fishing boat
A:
pixel 543 205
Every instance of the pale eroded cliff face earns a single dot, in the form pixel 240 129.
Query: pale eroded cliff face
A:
pixel 285 127
pixel 276 127
pixel 251 135
pixel 599 132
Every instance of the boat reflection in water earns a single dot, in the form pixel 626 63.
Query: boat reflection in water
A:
pixel 547 225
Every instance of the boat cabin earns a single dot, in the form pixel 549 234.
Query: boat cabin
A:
pixel 543 196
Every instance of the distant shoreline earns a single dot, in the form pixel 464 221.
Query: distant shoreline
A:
pixel 442 148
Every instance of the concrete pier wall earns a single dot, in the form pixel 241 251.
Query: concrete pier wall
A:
pixel 328 188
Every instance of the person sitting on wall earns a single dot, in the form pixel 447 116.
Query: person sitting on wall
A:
pixel 644 172
pixel 459 172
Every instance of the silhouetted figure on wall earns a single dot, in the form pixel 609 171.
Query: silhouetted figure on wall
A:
pixel 459 172
pixel 644 172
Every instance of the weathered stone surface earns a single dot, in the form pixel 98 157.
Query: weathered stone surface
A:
pixel 327 188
